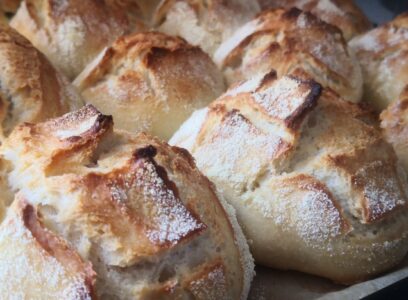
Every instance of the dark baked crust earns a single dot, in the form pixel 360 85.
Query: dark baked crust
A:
pixel 344 14
pixel 284 40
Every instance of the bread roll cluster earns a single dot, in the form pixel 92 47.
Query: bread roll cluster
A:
pixel 287 123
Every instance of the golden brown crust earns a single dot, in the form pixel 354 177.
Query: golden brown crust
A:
pixel 28 247
pixel 34 92
pixel 7 9
pixel 204 23
pixel 142 177
pixel 328 188
pixel 146 80
pixel 143 46
pixel 72 33
pixel 133 205
pixel 383 55
pixel 284 40
pixel 10 6
pixel 341 13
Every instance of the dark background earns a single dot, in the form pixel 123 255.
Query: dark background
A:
pixel 381 11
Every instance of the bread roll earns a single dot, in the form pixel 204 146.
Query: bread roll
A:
pixel 138 209
pixel 383 55
pixel 344 14
pixel 31 89
pixel 315 187
pixel 394 122
pixel 204 23
pixel 150 82
pixel 71 32
pixel 36 264
pixel 287 39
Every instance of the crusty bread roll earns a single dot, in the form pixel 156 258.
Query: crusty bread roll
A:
pixel 138 209
pixel 383 55
pixel 287 39
pixel 31 89
pixel 394 122
pixel 344 14
pixel 204 23
pixel 315 187
pixel 36 264
pixel 71 32
pixel 150 82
